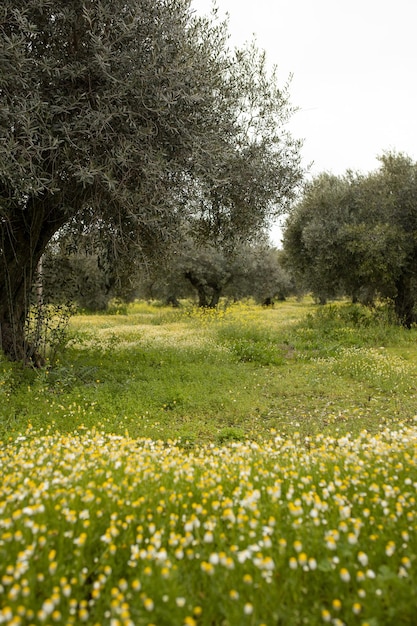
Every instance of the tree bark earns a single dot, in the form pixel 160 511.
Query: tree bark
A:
pixel 200 286
pixel 209 292
pixel 215 296
pixel 23 240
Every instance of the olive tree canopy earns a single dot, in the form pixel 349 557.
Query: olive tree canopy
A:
pixel 357 235
pixel 134 115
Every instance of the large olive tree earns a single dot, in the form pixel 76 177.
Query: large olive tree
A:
pixel 132 114
pixel 357 235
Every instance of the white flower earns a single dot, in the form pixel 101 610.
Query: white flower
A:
pixel 248 609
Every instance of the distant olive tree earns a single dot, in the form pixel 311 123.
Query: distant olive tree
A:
pixel 207 274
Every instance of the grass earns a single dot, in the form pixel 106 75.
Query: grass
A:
pixel 197 377
pixel 246 466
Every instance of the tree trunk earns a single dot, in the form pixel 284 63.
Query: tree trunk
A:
pixel 13 315
pixel 404 301
pixel 23 241
pixel 215 296
pixel 200 286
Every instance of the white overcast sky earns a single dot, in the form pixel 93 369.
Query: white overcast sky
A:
pixel 354 67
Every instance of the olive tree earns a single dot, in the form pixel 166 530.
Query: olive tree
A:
pixel 313 239
pixel 357 235
pixel 133 115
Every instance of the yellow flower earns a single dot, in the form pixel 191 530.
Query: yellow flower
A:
pixel 344 575
pixel 148 604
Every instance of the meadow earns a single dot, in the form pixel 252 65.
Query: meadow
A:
pixel 241 466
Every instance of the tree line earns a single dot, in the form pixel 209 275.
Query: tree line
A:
pixel 86 273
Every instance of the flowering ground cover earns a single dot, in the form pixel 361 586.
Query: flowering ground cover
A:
pixel 105 529
pixel 243 466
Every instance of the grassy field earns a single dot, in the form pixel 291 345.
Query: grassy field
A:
pixel 242 466
pixel 243 372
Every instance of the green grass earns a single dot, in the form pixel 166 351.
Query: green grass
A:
pixel 238 467
pixel 189 375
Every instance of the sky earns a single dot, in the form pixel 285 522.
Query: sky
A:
pixel 354 73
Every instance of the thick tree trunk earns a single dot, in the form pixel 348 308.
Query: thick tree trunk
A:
pixel 13 314
pixel 215 296
pixel 208 292
pixel 201 288
pixel 23 240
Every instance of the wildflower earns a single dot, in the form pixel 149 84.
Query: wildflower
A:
pixel 248 608
pixel 406 562
pixel 298 546
pixel 363 559
pixel 148 604
pixel 48 607
pixel 83 615
pixel 326 615
pixel 293 563
pixel 282 544
pixel 344 575
pixel 331 538
pixel 80 541
pixel 207 568
pixel 356 608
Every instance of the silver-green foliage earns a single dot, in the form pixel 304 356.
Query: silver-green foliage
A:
pixel 132 115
